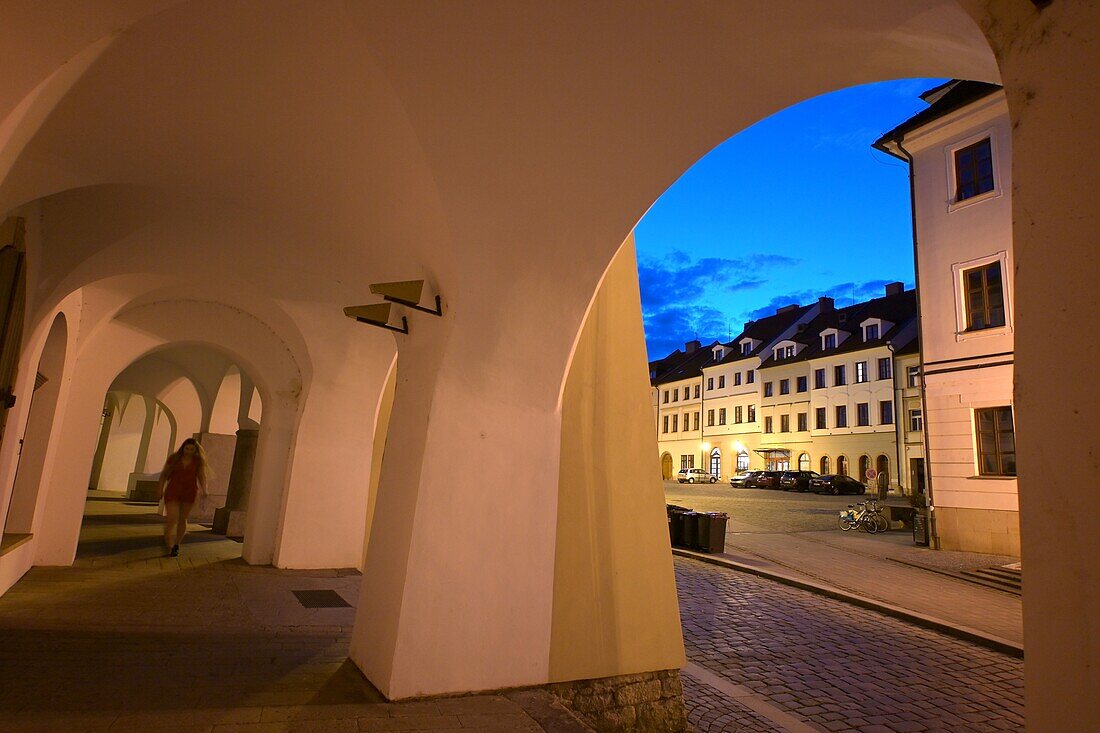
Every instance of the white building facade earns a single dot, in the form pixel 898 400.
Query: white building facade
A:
pixel 960 161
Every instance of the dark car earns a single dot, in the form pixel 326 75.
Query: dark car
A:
pixel 743 478
pixel 767 480
pixel 796 480
pixel 836 484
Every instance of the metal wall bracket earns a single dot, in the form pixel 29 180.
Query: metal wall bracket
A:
pixel 378 315
pixel 438 311
pixel 403 329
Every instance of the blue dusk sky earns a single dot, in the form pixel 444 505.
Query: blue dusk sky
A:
pixel 794 207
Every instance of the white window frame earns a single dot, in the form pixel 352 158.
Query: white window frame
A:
pixel 957 270
pixel 997 191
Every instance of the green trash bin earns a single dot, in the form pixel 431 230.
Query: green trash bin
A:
pixel 712 532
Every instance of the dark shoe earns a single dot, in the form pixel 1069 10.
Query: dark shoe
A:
pixel 175 551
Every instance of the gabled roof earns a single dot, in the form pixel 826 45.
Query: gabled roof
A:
pixel 681 365
pixel 900 310
pixel 765 330
pixel 943 99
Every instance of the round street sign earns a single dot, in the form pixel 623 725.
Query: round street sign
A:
pixel 871 474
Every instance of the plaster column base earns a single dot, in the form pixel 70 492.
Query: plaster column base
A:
pixel 230 522
pixel 650 702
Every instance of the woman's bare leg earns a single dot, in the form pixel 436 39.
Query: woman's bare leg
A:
pixel 181 521
pixel 171 521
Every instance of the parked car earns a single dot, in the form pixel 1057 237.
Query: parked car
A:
pixel 796 480
pixel 836 484
pixel 742 479
pixel 767 480
pixel 695 476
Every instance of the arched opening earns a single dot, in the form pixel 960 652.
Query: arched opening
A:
pixel 666 466
pixel 32 458
pixel 742 460
pixel 804 462
pixel 882 467
pixel 716 463
pixel 842 465
pixel 825 466
pixel 865 469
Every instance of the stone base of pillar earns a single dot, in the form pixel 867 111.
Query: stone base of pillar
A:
pixel 650 702
pixel 229 522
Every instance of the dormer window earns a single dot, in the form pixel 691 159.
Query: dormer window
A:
pixel 746 347
pixel 719 352
pixel 829 342
pixel 784 352
pixel 870 333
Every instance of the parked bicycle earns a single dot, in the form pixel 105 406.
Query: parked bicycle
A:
pixel 865 515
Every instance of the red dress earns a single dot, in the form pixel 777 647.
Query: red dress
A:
pixel 183 483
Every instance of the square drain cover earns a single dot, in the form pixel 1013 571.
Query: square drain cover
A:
pixel 320 599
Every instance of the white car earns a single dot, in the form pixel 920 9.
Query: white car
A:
pixel 695 476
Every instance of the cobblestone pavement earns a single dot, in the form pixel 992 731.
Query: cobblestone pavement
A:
pixel 128 639
pixel 834 665
pixel 886 568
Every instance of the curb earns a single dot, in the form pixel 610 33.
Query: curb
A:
pixel 996 643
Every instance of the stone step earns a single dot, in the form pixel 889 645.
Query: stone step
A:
pixel 999 578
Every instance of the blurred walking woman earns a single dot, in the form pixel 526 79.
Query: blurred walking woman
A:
pixel 185 473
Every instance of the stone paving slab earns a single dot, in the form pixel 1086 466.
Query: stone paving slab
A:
pixel 836 666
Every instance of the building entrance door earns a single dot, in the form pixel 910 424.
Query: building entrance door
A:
pixel 916 474
pixel 666 466
pixel 716 463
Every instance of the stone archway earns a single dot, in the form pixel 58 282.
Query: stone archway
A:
pixel 666 466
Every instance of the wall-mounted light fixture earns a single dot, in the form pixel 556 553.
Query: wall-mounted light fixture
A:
pixel 406 293
pixel 376 315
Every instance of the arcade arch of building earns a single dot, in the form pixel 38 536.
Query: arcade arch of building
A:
pixel 423 143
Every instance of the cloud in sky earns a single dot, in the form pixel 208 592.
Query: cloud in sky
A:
pixel 677 288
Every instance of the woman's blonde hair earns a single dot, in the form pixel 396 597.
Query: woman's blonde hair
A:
pixel 200 456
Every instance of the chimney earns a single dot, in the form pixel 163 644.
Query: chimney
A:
pixel 786 308
pixel 895 289
pixel 826 303
pixel 692 346
pixel 747 324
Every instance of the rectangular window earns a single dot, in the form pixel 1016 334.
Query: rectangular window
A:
pixel 721 381
pixel 871 332
pixel 800 384
pixel 996 441
pixel 863 414
pixel 697 391
pixel 746 348
pixel 768 424
pixel 675 422
pixel 886 412
pixel 736 378
pixel 984 294
pixel 819 418
pixel 737 414
pixel 802 423
pixel 695 420
pixel 819 379
pixel 830 341
pixel 666 396
pixel 840 377
pixel 676 395
pixel 664 425
pixel 710 418
pixel 721 416
pixel 842 416
pixel 884 370
pixel 916 421
pixel 750 376
pixel 687 462
pixel 784 423
pixel 912 376
pixel 710 383
pixel 687 421
pixel 973 170
pixel 784 386
pixel 861 372
pixel 767 389
pixel 752 413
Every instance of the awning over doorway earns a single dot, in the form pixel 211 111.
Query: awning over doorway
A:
pixel 773 453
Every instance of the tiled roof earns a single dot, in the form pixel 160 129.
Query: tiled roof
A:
pixel 943 99
pixel 765 330
pixel 899 309
pixel 681 365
